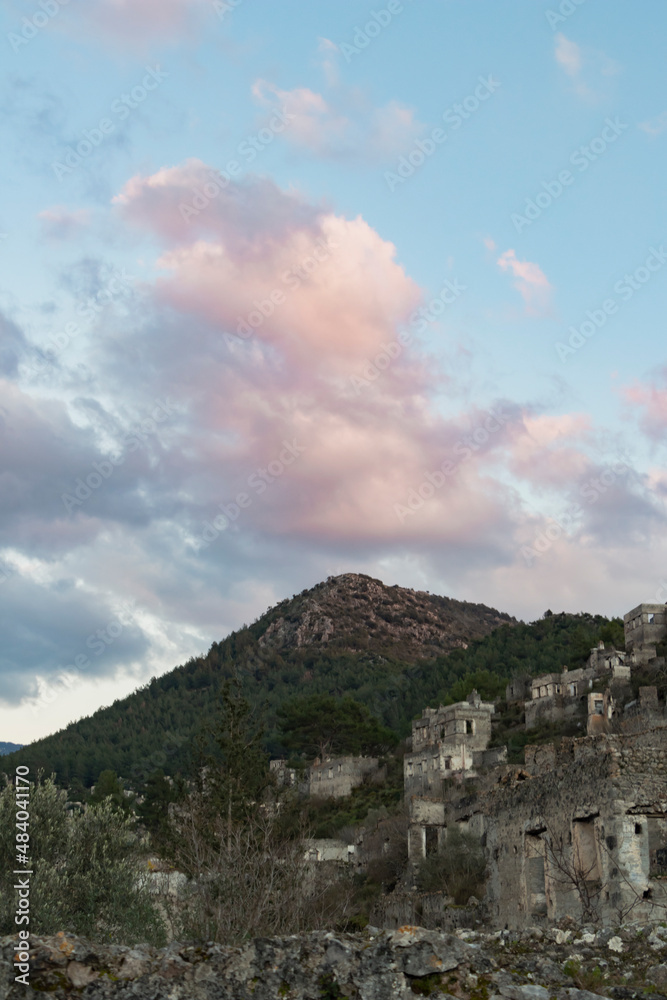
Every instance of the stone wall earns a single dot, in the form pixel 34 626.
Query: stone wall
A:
pixel 592 811
pixel 336 777
pixel 626 964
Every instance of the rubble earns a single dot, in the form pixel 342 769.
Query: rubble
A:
pixel 571 963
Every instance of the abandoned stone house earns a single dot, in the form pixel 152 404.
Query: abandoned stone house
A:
pixel 446 741
pixel 600 711
pixel 448 744
pixel 645 626
pixel 333 777
pixel 580 831
pixel 554 697
pixel 557 696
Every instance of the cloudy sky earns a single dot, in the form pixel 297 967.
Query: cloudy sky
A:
pixel 295 289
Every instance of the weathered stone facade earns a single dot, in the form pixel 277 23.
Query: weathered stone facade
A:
pixel 335 777
pixel 555 697
pixel 448 744
pixel 580 828
pixel 644 627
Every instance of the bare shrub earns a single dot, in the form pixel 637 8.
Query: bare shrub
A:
pixel 459 870
pixel 249 880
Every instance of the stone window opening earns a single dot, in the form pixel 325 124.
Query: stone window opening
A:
pixel 638 829
pixel 651 619
pixel 535 874
pixel 431 840
pixel 585 849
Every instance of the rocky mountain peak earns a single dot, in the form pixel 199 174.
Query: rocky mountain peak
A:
pixel 355 612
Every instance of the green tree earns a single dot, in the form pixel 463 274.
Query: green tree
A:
pixel 322 724
pixel 108 787
pixel 88 876
pixel 235 773
pixel 153 811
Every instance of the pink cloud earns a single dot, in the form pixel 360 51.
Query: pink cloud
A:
pixel 586 73
pixel 650 399
pixel 342 126
pixel 320 365
pixel 140 22
pixel 531 283
pixel 63 224
pixel 292 377
pixel 547 450
pixel 568 55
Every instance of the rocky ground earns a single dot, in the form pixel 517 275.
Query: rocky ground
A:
pixel 564 963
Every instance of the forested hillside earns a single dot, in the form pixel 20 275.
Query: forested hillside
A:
pixel 154 727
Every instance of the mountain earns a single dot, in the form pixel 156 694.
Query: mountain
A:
pixel 355 613
pixel 6 748
pixel 394 649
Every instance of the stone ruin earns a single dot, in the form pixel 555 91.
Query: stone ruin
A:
pixel 580 830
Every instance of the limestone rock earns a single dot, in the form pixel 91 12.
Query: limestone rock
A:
pixel 80 975
pixel 657 975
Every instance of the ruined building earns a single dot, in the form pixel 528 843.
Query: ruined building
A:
pixel 448 744
pixel 645 626
pixel 332 777
pixel 580 829
pixel 557 696
pixel 335 777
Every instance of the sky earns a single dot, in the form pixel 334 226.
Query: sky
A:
pixel 292 290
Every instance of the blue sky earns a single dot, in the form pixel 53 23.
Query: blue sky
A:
pixel 499 165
